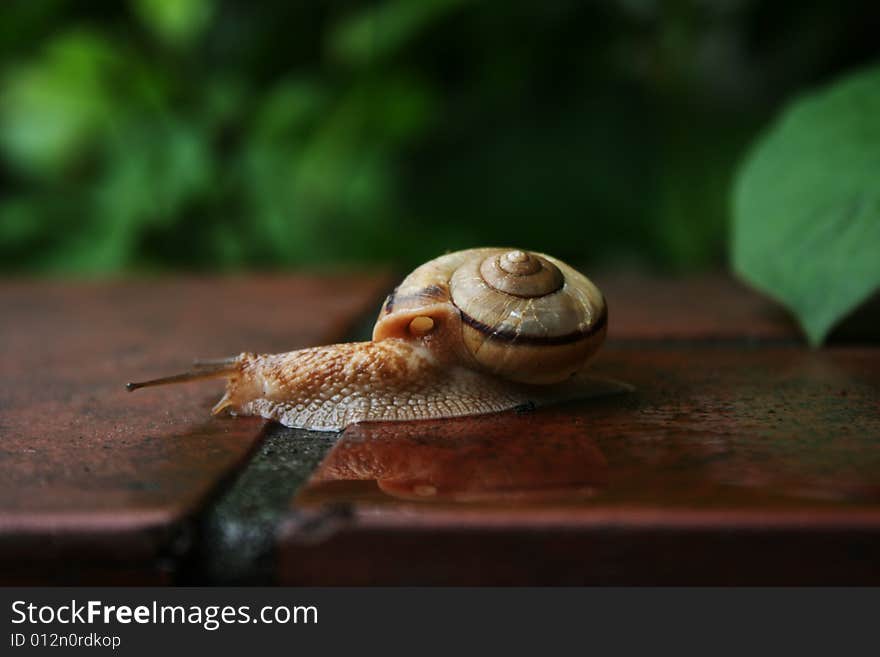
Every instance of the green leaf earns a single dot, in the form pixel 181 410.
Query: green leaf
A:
pixel 807 205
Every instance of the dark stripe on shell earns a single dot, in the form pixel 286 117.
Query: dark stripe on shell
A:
pixel 514 338
pixel 429 293
pixel 389 302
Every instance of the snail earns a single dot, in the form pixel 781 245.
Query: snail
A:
pixel 471 332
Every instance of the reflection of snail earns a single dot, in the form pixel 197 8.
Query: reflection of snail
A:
pixel 471 332
pixel 497 460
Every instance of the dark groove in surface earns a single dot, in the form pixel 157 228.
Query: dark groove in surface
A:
pixel 233 539
pixel 235 536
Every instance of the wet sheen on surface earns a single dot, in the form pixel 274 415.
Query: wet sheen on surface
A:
pixel 721 428
pixel 725 466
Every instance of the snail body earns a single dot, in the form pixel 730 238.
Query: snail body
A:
pixel 471 332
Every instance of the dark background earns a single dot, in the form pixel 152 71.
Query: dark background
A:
pixel 187 134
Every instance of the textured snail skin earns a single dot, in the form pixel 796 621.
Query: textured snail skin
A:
pixel 468 333
pixel 328 388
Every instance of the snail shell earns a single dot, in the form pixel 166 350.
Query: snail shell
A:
pixel 470 332
pixel 522 316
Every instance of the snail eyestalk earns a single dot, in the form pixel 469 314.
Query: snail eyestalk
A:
pixel 204 370
pixel 201 363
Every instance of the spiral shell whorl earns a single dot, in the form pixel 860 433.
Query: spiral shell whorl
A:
pixel 521 274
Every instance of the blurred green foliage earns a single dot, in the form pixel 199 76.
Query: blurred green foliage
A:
pixel 807 205
pixel 199 134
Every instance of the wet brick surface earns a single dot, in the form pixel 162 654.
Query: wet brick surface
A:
pixel 94 479
pixel 742 456
pixel 726 465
